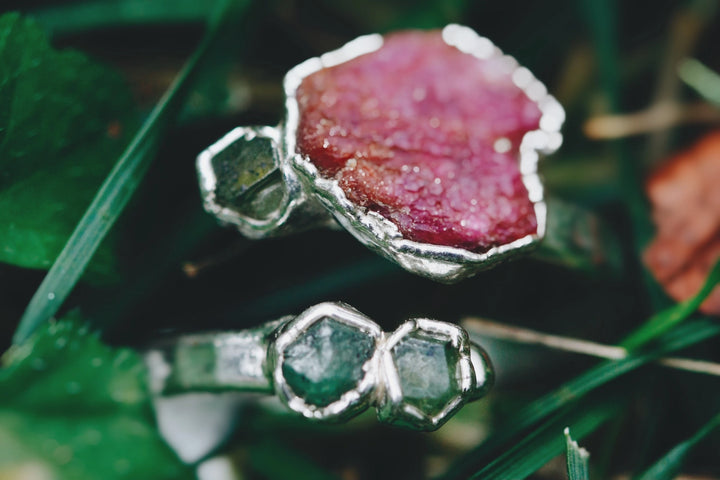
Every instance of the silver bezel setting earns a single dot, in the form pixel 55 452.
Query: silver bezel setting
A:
pixel 251 360
pixel 434 261
pixel 438 262
pixel 392 407
pixel 249 226
pixel 352 401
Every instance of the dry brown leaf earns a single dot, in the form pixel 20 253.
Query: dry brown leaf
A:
pixel 685 198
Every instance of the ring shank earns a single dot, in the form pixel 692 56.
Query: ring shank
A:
pixel 254 360
pixel 237 361
pixel 212 362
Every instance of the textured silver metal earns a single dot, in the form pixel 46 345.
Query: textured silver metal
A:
pixel 306 188
pixel 251 360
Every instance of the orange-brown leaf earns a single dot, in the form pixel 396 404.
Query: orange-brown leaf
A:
pixel 685 197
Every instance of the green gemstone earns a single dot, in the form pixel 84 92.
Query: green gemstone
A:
pixel 248 178
pixel 326 361
pixel 427 371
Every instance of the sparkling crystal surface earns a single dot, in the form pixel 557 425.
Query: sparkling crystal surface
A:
pixel 426 136
pixel 426 368
pixel 326 361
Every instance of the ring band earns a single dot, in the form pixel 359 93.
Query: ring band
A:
pixel 330 363
pixel 257 179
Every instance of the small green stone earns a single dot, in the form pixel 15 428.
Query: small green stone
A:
pixel 248 177
pixel 326 361
pixel 426 367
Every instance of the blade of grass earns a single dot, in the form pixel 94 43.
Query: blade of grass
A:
pixel 601 17
pixel 117 188
pixel 577 458
pixel 161 261
pixel 535 450
pixel 264 455
pixel 669 465
pixel 703 80
pixel 78 17
pixel 323 285
pixel 680 337
pixel 668 318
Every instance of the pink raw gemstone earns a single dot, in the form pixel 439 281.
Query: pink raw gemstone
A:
pixel 427 136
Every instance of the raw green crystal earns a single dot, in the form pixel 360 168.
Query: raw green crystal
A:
pixel 326 361
pixel 248 178
pixel 427 371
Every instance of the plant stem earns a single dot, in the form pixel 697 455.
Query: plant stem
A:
pixel 481 327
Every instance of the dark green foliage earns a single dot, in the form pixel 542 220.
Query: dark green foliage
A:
pixel 75 408
pixel 64 120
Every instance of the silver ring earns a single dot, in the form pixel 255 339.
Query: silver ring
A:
pixel 256 179
pixel 330 363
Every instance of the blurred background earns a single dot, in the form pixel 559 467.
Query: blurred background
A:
pixel 636 80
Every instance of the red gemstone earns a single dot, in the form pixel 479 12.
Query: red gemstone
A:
pixel 427 136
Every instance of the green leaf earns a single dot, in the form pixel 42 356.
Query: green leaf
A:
pixel 73 408
pixel 669 465
pixel 577 459
pixel 119 186
pixel 63 121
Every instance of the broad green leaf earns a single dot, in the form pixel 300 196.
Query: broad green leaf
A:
pixel 577 459
pixel 73 408
pixel 63 121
